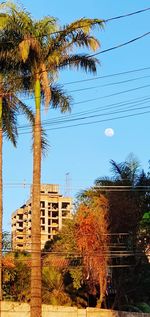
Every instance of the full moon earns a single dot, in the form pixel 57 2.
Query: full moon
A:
pixel 109 132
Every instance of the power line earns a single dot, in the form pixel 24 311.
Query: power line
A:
pixel 93 87
pixel 127 15
pixel 77 116
pixel 121 45
pixel 93 122
pixel 85 25
pixel 97 115
pixel 107 76
pixel 103 97
pixel 103 51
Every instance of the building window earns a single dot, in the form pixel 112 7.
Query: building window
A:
pixel 42 228
pixel 54 214
pixel 42 221
pixel 54 205
pixel 64 213
pixel 65 205
pixel 20 245
pixel 20 230
pixel 20 217
pixel 51 193
pixel 55 223
pixel 43 212
pixel 42 204
pixel 49 222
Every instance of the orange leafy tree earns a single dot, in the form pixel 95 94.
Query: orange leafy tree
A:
pixel 92 241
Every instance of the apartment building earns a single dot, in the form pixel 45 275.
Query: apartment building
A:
pixel 54 209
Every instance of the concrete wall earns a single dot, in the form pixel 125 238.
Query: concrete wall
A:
pixel 10 309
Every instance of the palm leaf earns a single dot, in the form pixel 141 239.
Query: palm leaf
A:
pixel 9 114
pixel 88 64
pixel 60 99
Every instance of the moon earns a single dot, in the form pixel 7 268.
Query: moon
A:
pixel 109 132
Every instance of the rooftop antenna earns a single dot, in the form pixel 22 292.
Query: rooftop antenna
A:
pixel 68 185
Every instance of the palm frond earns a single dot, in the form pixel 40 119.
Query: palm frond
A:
pixel 45 27
pixel 82 40
pixel 117 169
pixel 60 99
pixel 9 114
pixel 84 24
pixel 24 109
pixel 103 181
pixel 44 142
pixel 88 64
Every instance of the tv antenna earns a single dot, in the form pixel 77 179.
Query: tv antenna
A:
pixel 68 185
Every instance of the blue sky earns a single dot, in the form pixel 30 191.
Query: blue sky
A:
pixel 84 151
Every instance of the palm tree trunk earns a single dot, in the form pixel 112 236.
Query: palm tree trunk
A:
pixel 36 309
pixel 1 202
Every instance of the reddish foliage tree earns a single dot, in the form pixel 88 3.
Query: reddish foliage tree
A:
pixel 92 240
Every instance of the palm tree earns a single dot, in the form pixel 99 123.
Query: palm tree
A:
pixel 10 107
pixel 126 194
pixel 39 54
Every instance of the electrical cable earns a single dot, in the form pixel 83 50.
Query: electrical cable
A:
pixel 102 20
pixel 101 52
pixel 107 76
pixel 77 116
pixel 120 45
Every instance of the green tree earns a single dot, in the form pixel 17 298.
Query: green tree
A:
pixel 40 54
pixel 127 195
pixel 128 199
pixel 16 276
pixel 53 291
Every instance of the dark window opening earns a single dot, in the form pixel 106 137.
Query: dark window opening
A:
pixel 54 214
pixel 42 221
pixel 64 213
pixel 54 205
pixel 49 222
pixel 42 204
pixel 65 205
pixel 42 212
pixel 52 192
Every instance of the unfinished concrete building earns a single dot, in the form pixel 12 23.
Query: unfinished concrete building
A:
pixel 54 209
